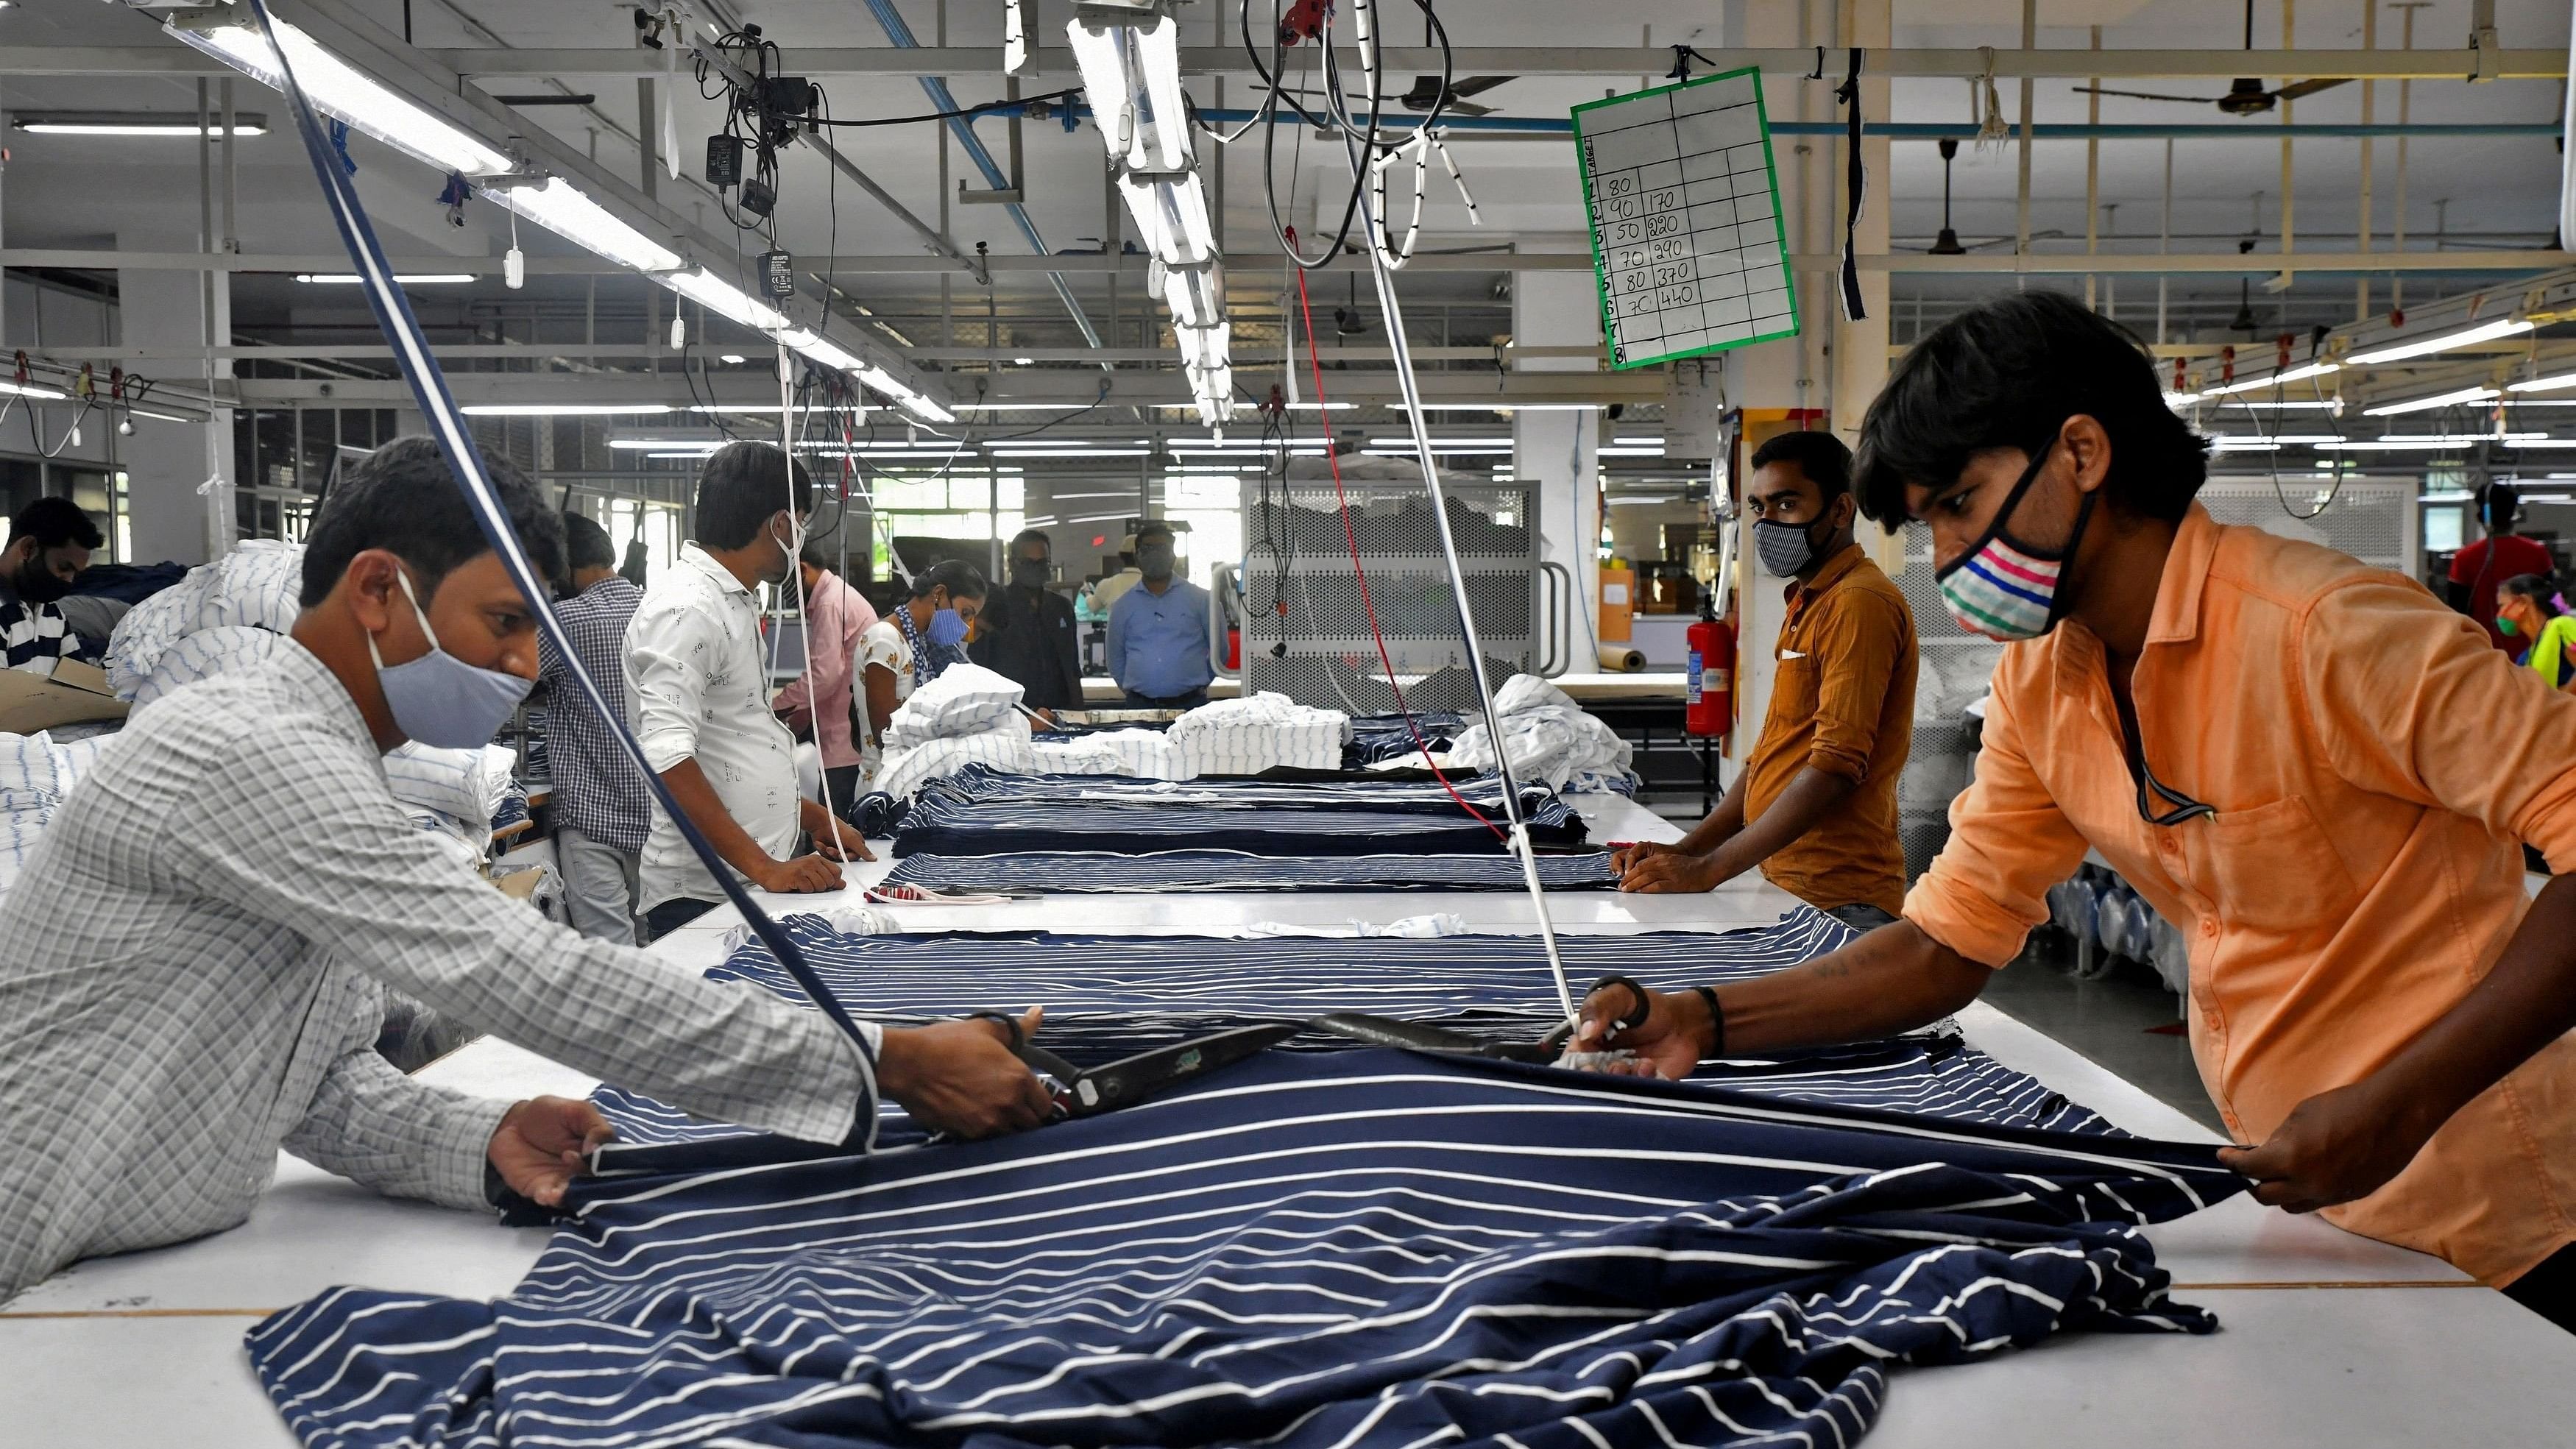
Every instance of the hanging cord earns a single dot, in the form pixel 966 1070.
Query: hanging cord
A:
pixel 465 462
pixel 1403 359
pixel 788 429
pixel 1350 534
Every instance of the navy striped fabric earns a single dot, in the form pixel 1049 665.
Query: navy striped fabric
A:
pixel 983 812
pixel 1362 1251
pixel 1099 872
pixel 1110 997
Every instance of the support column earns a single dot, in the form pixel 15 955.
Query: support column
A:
pixel 1557 452
pixel 164 462
pixel 1859 349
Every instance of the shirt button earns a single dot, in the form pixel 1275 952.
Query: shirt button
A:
pixel 2209 928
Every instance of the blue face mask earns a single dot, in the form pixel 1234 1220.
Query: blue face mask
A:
pixel 439 699
pixel 946 629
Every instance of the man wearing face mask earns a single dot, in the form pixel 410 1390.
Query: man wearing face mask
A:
pixel 1815 806
pixel 49 544
pixel 1158 630
pixel 200 946
pixel 2313 768
pixel 1026 632
pixel 698 690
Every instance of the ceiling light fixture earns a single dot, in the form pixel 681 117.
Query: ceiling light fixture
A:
pixel 2543 384
pixel 2437 400
pixel 131 123
pixel 29 389
pixel 408 279
pixel 564 410
pixel 2296 374
pixel 2422 347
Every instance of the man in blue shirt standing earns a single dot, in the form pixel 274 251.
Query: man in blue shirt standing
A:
pixel 1158 631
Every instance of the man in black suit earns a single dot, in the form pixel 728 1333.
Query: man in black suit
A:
pixel 1026 631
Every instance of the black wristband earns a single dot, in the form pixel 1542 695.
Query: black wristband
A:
pixel 1716 1020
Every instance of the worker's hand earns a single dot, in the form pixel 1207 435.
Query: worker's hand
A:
pixel 2334 1147
pixel 539 1146
pixel 828 844
pixel 959 1077
pixel 804 875
pixel 1673 873
pixel 1635 852
pixel 1668 1043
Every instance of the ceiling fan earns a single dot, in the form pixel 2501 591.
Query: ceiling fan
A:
pixel 2246 95
pixel 1426 93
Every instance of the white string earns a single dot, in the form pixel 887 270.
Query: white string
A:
pixel 787 440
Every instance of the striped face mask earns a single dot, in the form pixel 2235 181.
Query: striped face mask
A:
pixel 2003 588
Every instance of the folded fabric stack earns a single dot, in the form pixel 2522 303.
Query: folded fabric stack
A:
pixel 969 715
pixel 460 795
pixel 1145 754
pixel 229 612
pixel 1263 731
pixel 1551 739
pixel 35 775
pixel 1378 738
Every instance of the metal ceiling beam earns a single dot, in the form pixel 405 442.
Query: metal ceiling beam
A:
pixel 1071 386
pixel 1974 263
pixel 960 60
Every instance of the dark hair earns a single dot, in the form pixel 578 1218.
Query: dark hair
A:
pixel 2541 589
pixel 401 498
pixel 1031 535
pixel 817 555
pixel 957 576
pixel 741 489
pixel 53 522
pixel 2007 374
pixel 1821 457
pixel 586 544
pixel 1154 528
pixel 2498 500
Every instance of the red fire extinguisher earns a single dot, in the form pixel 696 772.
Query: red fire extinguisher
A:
pixel 1710 698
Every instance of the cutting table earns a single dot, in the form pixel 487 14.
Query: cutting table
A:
pixel 2328 1339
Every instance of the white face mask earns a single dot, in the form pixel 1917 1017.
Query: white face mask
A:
pixel 439 699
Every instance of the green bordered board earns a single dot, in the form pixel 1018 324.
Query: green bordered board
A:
pixel 1685 211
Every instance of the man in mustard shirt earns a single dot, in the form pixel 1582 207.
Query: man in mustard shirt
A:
pixel 2315 769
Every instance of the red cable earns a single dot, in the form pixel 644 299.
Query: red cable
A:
pixel 1332 458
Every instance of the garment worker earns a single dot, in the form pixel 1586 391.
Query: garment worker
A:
pixel 698 690
pixel 1026 633
pixel 2480 569
pixel 906 649
pixel 2311 767
pixel 2533 614
pixel 201 943
pixel 50 541
pixel 1158 630
pixel 818 702
pixel 1815 805
pixel 601 809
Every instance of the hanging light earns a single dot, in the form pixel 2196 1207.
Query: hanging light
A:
pixel 1947 244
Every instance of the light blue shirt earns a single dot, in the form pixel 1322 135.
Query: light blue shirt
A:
pixel 1158 643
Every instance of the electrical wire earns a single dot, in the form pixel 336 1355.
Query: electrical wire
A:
pixel 959 114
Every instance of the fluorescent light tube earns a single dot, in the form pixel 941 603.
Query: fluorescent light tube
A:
pixel 706 445
pixel 1100 53
pixel 133 123
pixel 2437 400
pixel 407 279
pixel 1015 38
pixel 564 410
pixel 2543 384
pixel 338 88
pixel 1193 297
pixel 2296 374
pixel 724 299
pixel 29 389
pixel 569 212
pixel 1163 142
pixel 1171 217
pixel 2469 336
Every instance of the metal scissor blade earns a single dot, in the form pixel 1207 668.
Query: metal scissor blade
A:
pixel 1423 1036
pixel 1130 1080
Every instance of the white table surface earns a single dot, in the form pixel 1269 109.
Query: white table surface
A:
pixel 2327 1338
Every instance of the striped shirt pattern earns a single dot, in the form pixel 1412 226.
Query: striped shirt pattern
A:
pixel 1109 997
pixel 34 636
pixel 1100 872
pixel 1362 1252
pixel 980 812
pixel 595 787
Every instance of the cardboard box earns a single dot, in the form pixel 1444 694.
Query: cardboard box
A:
pixel 77 693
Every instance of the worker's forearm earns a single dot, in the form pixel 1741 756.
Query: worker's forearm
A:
pixel 1891 980
pixel 1811 796
pixel 1722 823
pixel 706 810
pixel 2526 1002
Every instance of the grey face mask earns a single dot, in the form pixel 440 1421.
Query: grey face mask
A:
pixel 1154 563
pixel 1784 548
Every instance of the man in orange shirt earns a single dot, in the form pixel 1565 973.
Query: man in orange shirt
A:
pixel 2314 768
pixel 1815 806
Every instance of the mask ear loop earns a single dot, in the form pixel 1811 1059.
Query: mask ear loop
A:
pixel 402 576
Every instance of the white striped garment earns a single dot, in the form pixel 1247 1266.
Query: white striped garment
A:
pixel 1098 872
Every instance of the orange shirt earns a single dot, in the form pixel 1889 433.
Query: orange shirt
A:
pixel 1842 701
pixel 2373 763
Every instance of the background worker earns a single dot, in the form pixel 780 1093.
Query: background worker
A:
pixel 818 702
pixel 2309 766
pixel 1026 633
pixel 908 648
pixel 1158 630
pixel 2533 614
pixel 700 698
pixel 602 811
pixel 2478 570
pixel 49 545
pixel 1815 805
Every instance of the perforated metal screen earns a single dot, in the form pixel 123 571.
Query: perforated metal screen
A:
pixel 1306 634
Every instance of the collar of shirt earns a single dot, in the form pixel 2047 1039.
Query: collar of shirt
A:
pixel 329 695
pixel 1835 570
pixel 2175 619
pixel 694 556
pixel 614 589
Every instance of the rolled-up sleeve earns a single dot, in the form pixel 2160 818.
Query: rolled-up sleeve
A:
pixel 668 653
pixel 1858 645
pixel 2009 842
pixel 2408 699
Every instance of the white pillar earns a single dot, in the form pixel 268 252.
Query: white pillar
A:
pixel 164 462
pixel 1557 452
